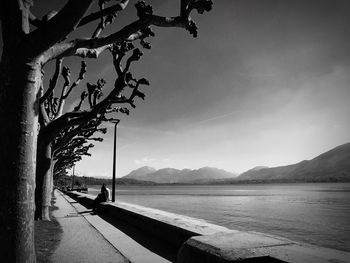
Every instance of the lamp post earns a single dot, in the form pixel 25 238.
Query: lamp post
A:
pixel 114 159
pixel 73 178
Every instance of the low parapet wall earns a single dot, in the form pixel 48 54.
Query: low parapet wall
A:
pixel 201 241
pixel 170 227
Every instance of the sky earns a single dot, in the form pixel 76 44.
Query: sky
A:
pixel 265 83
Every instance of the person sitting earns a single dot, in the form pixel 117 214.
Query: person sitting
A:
pixel 109 194
pixel 101 197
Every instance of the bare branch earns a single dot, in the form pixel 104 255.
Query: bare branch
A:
pixel 107 11
pixel 80 78
pixel 65 93
pixel 95 139
pixel 91 53
pixel 95 91
pixel 111 120
pixel 14 16
pixel 104 21
pixel 34 20
pixel 65 74
pixel 24 7
pixel 57 28
pixel 130 32
pixel 136 55
pixel 67 120
pixel 53 81
pixel 82 98
pixel 43 115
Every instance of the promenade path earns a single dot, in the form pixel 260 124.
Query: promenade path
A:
pixel 87 237
pixel 80 241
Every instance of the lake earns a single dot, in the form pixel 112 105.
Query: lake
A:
pixel 314 213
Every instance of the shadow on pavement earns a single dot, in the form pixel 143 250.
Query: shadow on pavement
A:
pixel 157 246
pixel 160 247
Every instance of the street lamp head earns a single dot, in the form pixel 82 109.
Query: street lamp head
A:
pixel 115 121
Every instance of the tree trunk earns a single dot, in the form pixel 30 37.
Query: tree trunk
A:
pixel 19 85
pixel 43 179
pixel 51 179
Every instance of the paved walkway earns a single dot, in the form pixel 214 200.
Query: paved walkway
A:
pixel 80 241
pixel 89 238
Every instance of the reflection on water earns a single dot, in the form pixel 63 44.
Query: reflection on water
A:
pixel 313 213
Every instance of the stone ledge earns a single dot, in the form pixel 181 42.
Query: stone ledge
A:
pixel 173 228
pixel 254 247
pixel 170 227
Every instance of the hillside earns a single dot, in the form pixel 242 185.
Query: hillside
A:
pixel 333 165
pixel 140 172
pixel 171 175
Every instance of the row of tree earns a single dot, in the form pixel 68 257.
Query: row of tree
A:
pixel 38 137
pixel 62 140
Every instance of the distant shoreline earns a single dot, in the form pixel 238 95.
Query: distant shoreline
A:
pixel 241 182
pixel 120 181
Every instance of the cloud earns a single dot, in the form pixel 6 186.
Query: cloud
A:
pixel 125 146
pixel 144 161
pixel 215 118
pixel 144 130
pixel 158 163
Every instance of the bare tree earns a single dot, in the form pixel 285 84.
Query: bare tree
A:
pixel 50 108
pixel 52 122
pixel 66 154
pixel 25 53
pixel 70 140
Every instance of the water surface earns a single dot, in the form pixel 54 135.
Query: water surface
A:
pixel 312 213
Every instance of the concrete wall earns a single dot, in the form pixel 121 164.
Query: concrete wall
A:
pixel 170 227
pixel 203 242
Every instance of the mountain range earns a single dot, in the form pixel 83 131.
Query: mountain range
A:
pixel 171 175
pixel 333 165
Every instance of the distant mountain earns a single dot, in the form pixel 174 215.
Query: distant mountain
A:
pixel 209 173
pixel 333 165
pixel 257 168
pixel 138 173
pixel 171 175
